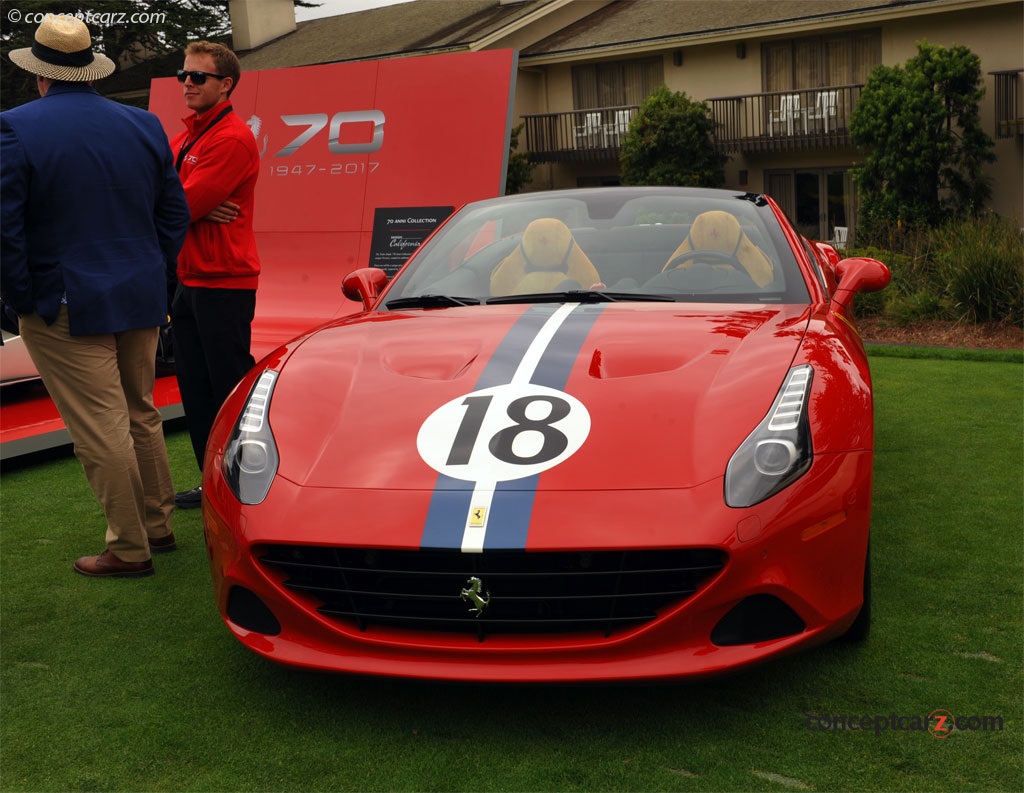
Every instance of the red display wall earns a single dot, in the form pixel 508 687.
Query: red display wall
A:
pixel 341 141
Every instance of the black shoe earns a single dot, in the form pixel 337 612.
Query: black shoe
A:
pixel 189 499
pixel 163 544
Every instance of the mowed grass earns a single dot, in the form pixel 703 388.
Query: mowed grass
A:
pixel 138 686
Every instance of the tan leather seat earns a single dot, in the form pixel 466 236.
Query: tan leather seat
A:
pixel 720 231
pixel 546 256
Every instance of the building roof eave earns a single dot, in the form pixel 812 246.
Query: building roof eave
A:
pixel 492 39
pixel 795 26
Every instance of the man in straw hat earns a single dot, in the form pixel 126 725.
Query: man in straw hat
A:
pixel 93 217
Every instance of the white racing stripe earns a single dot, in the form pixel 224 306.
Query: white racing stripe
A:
pixel 476 527
pixel 540 343
pixel 483 492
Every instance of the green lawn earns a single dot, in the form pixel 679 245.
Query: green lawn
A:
pixel 137 685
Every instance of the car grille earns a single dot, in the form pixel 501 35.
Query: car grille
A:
pixel 518 591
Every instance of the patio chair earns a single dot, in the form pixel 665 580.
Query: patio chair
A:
pixel 615 131
pixel 587 132
pixel 839 234
pixel 789 110
pixel 824 107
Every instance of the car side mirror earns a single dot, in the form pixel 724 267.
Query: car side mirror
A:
pixel 859 274
pixel 829 260
pixel 364 285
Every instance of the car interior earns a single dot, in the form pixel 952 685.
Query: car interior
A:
pixel 655 250
pixel 547 259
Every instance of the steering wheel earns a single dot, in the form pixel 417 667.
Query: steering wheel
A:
pixel 704 254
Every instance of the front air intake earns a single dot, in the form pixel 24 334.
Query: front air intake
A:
pixel 247 611
pixel 758 618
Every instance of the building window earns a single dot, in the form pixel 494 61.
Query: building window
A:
pixel 816 200
pixel 615 84
pixel 813 62
pixel 1009 101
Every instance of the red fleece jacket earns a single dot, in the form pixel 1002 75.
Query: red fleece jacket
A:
pixel 223 164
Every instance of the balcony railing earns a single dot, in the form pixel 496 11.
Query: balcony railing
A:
pixel 578 136
pixel 1009 103
pixel 784 120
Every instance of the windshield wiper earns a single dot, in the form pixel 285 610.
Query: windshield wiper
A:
pixel 581 296
pixel 431 301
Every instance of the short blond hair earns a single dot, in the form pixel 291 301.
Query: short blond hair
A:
pixel 226 60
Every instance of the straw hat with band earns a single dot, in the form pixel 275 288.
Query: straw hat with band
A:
pixel 63 51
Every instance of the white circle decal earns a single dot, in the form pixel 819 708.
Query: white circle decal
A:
pixel 502 433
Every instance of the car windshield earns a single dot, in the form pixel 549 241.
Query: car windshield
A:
pixel 640 244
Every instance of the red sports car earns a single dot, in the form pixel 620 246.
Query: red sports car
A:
pixel 608 434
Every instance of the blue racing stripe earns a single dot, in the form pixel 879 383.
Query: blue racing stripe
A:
pixel 446 517
pixel 560 356
pixel 511 511
pixel 512 505
pixel 510 351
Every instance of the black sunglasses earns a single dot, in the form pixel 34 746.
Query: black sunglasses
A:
pixel 198 78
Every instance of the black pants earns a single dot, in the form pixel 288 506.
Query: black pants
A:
pixel 212 334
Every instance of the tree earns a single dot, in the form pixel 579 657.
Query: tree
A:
pixel 520 170
pixel 126 31
pixel 671 142
pixel 920 127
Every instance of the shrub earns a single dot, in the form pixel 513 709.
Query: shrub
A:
pixel 980 268
pixel 903 308
pixel 965 270
pixel 671 142
pixel 520 170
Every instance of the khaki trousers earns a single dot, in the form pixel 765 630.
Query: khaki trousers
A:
pixel 103 387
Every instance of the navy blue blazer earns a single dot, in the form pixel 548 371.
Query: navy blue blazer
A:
pixel 91 207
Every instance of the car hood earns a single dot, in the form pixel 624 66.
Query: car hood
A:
pixel 548 396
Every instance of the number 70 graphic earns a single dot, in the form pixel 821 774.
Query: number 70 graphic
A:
pixel 317 121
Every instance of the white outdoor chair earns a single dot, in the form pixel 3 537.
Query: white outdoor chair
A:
pixel 587 132
pixel 824 107
pixel 839 234
pixel 615 131
pixel 789 110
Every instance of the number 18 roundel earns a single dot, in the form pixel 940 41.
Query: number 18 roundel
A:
pixel 503 433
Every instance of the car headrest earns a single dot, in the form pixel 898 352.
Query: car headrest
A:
pixel 546 256
pixel 720 231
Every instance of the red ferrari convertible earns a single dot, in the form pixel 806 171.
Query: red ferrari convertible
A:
pixel 585 435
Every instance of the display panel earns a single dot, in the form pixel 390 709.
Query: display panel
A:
pixel 338 143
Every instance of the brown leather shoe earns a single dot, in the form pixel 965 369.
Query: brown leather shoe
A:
pixel 162 544
pixel 108 565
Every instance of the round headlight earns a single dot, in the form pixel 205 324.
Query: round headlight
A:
pixel 775 456
pixel 253 457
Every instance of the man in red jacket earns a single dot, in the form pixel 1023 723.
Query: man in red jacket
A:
pixel 218 268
